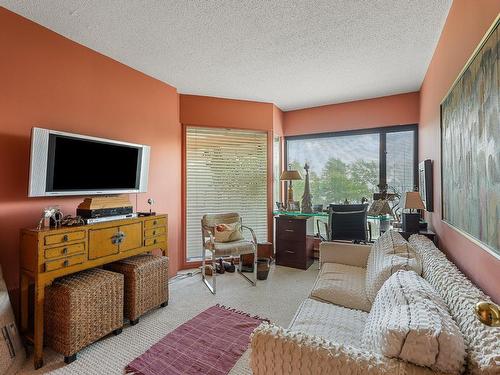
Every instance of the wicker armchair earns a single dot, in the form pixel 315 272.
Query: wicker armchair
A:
pixel 225 249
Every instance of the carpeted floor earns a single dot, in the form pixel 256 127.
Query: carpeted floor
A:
pixel 277 298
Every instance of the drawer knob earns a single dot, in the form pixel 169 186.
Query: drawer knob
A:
pixel 289 230
pixel 65 238
pixel 66 263
pixel 154 241
pixel 155 222
pixel 154 232
pixel 65 251
pixel 289 251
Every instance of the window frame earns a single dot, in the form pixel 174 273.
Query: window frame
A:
pixel 382 132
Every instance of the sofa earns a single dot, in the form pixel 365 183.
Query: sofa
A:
pixel 328 333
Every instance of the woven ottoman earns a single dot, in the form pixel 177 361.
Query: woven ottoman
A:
pixel 146 284
pixel 82 308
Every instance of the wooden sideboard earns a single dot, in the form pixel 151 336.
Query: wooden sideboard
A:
pixel 47 254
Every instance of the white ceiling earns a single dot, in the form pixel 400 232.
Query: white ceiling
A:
pixel 294 53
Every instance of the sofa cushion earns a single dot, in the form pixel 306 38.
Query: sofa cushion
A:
pixel 390 253
pixel 410 321
pixel 331 322
pixel 342 285
pixel 461 295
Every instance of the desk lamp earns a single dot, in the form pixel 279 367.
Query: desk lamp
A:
pixel 290 176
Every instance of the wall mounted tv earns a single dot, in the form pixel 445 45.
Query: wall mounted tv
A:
pixel 72 164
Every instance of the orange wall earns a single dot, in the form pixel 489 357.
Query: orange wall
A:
pixel 467 22
pixel 230 113
pixel 235 114
pixel 362 114
pixel 49 81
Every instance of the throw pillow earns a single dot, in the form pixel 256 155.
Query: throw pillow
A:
pixel 410 321
pixel 390 253
pixel 228 232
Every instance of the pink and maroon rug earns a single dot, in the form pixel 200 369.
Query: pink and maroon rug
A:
pixel 210 343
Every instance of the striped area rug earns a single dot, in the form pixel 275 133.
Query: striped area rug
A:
pixel 210 343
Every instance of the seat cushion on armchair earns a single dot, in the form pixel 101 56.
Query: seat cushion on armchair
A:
pixel 410 321
pixel 390 253
pixel 342 285
pixel 231 248
pixel 331 322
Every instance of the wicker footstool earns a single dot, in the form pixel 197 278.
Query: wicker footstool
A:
pixel 81 308
pixel 146 284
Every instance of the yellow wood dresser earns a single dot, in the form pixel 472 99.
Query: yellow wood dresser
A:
pixel 47 254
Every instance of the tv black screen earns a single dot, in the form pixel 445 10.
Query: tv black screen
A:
pixel 80 164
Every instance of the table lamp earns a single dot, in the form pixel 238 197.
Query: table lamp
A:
pixel 412 201
pixel 381 207
pixel 290 176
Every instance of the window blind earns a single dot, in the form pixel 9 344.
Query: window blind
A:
pixel 226 171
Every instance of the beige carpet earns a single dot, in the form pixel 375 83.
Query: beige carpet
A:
pixel 277 298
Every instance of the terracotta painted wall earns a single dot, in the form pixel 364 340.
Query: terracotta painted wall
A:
pixel 467 22
pixel 230 113
pixel 235 114
pixel 362 114
pixel 49 81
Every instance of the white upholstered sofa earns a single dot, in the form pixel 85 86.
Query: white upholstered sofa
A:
pixel 326 335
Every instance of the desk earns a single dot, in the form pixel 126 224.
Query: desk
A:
pixel 374 220
pixel 47 254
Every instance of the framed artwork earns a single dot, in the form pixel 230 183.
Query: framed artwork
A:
pixel 470 147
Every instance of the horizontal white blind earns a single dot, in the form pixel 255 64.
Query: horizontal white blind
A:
pixel 226 171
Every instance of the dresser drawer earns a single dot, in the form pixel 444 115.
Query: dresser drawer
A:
pixel 155 240
pixel 154 223
pixel 154 232
pixel 64 237
pixel 63 251
pixel 57 264
pixel 290 229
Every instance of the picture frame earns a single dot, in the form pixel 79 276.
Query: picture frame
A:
pixel 470 147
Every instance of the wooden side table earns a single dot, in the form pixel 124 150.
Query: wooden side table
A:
pixel 427 233
pixel 264 250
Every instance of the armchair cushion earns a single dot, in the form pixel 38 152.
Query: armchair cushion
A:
pixel 222 249
pixel 410 321
pixel 342 285
pixel 228 232
pixel 390 253
pixel 332 322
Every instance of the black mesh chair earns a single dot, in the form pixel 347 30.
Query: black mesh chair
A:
pixel 349 222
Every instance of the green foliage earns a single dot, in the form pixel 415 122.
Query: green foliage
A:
pixel 339 181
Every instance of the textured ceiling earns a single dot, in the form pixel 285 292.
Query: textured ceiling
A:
pixel 294 53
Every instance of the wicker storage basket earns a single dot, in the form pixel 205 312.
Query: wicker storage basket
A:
pixel 146 283
pixel 81 308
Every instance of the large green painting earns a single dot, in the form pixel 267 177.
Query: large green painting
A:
pixel 470 147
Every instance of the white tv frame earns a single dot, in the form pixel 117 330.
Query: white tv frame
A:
pixel 39 158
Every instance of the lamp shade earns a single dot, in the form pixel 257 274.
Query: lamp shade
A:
pixel 290 176
pixel 412 200
pixel 380 207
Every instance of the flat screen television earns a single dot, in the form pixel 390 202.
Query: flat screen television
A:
pixel 73 164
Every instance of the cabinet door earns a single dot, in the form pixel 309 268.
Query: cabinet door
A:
pixel 101 242
pixel 132 236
